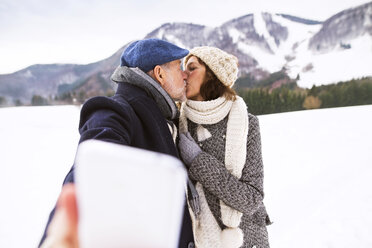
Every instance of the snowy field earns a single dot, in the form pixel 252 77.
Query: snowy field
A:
pixel 318 169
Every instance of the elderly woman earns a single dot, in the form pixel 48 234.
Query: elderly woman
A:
pixel 221 145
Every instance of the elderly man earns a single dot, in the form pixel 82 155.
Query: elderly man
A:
pixel 140 114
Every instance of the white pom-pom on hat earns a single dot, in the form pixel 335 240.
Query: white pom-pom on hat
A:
pixel 223 64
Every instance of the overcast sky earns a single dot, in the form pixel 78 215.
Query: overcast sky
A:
pixel 85 31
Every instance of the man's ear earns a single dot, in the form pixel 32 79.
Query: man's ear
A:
pixel 159 74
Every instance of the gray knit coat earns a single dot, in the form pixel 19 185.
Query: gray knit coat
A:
pixel 245 194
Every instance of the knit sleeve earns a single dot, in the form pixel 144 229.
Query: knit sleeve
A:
pixel 244 194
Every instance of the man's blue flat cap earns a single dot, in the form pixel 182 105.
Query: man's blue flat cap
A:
pixel 146 54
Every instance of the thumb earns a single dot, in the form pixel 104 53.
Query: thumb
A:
pixel 63 230
pixel 67 201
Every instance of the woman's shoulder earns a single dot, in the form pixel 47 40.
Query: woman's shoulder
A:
pixel 241 102
pixel 253 122
pixel 252 117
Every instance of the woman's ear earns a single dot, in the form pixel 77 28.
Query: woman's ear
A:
pixel 159 75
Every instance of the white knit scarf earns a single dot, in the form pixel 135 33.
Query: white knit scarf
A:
pixel 207 232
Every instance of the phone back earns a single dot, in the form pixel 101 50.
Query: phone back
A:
pixel 128 197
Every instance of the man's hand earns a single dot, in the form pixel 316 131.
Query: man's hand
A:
pixel 63 230
pixel 188 148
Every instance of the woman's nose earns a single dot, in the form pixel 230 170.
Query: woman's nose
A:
pixel 185 74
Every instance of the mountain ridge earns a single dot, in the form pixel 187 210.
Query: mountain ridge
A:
pixel 263 42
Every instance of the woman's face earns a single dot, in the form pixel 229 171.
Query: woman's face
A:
pixel 195 78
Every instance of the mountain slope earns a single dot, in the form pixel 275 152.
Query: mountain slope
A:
pixel 48 80
pixel 343 27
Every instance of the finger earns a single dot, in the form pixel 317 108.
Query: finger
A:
pixel 67 201
pixel 62 231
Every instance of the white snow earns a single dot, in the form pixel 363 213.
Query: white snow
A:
pixel 297 33
pixel 160 34
pixel 260 27
pixel 317 173
pixel 318 168
pixel 259 24
pixel 38 147
pixel 338 65
pixel 174 40
pixel 367 21
pixel 28 74
pixel 330 67
pixel 264 59
pixel 208 30
pixel 235 34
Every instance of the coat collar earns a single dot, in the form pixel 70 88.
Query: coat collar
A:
pixel 137 77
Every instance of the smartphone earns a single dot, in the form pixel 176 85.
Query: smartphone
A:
pixel 128 197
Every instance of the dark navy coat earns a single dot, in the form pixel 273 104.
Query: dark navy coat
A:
pixel 131 118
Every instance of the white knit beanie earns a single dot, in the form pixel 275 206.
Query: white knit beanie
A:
pixel 223 65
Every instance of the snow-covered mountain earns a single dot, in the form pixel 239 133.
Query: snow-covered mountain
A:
pixel 317 174
pixel 51 80
pixel 338 49
pixel 340 29
pixel 261 41
pixel 318 53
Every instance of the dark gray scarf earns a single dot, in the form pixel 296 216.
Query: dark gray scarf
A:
pixel 140 79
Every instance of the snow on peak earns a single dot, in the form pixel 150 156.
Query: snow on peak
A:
pixel 28 74
pixel 259 24
pixel 174 40
pixel 235 34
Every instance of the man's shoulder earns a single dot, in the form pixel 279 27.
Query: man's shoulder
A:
pixel 103 102
pixel 102 107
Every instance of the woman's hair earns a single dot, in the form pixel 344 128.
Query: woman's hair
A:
pixel 212 87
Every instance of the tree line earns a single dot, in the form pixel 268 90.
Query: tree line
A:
pixel 289 97
pixel 261 96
